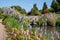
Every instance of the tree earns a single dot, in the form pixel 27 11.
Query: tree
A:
pixel 23 11
pixel 35 10
pixel 51 10
pixel 58 7
pixel 55 5
pixel 35 6
pixel 58 1
pixel 44 6
pixel 19 9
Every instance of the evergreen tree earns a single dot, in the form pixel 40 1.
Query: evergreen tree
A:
pixel 44 6
pixel 58 1
pixel 35 10
pixel 54 5
pixel 23 11
pixel 58 7
pixel 35 6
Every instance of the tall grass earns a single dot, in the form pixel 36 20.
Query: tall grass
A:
pixel 12 22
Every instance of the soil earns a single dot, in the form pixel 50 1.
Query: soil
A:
pixel 3 34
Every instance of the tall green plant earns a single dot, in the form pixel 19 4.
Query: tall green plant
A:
pixel 54 5
pixel 44 6
pixel 12 22
pixel 35 10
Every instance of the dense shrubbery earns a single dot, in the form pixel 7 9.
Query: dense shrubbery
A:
pixel 25 35
pixel 18 31
pixel 1 15
pixel 58 22
pixel 13 23
pixel 41 21
pixel 19 9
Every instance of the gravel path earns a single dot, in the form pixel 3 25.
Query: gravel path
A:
pixel 3 33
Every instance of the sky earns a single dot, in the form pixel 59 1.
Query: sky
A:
pixel 26 4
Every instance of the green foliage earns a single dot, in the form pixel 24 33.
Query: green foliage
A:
pixel 40 11
pixel 21 35
pixel 51 10
pixel 1 15
pixel 35 10
pixel 0 10
pixel 26 21
pixel 58 8
pixel 58 1
pixel 41 21
pixel 51 19
pixel 13 23
pixel 58 21
pixel 35 6
pixel 23 11
pixel 19 9
pixel 44 6
pixel 54 5
pixel 58 29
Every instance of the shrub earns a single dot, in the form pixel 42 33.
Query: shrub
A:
pixel 12 22
pixel 1 15
pixel 51 10
pixel 41 21
pixel 46 11
pixel 25 23
pixel 58 21
pixel 51 19
pixel 58 12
